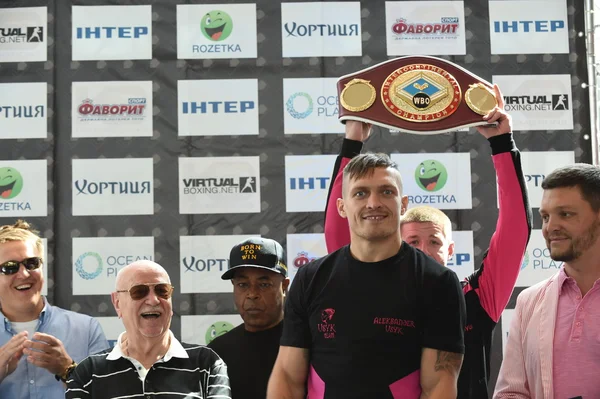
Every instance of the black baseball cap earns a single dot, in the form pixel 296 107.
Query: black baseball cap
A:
pixel 262 253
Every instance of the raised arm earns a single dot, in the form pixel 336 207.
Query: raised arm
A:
pixel 495 280
pixel 288 379
pixel 337 232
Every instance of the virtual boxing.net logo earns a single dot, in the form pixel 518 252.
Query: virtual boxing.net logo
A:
pixel 220 185
pixel 27 34
pixel 551 102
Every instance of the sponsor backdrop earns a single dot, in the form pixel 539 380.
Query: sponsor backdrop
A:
pixel 171 131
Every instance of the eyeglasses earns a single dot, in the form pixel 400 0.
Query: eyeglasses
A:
pixel 162 290
pixel 12 266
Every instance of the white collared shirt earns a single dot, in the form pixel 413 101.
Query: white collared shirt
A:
pixel 175 350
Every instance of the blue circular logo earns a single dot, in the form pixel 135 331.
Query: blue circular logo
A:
pixel 292 110
pixel 82 272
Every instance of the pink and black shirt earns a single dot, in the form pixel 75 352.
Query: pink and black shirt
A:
pixel 365 323
pixel 488 290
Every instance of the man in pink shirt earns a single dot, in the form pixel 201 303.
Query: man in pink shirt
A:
pixel 553 348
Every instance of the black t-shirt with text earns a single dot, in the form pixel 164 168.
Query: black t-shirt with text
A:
pixel 250 357
pixel 365 324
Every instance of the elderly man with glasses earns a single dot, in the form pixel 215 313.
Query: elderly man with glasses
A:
pixel 147 359
pixel 39 343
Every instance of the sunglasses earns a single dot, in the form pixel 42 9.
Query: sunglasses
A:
pixel 12 266
pixel 162 290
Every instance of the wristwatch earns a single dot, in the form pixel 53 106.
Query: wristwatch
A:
pixel 63 377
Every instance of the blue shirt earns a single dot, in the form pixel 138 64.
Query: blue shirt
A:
pixel 81 336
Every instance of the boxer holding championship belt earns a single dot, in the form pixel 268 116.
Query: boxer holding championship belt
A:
pixel 422 95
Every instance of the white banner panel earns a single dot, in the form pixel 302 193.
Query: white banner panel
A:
pixel 217 107
pixel 216 31
pixel 116 186
pixel 307 179
pixel 112 327
pixel 321 29
pixel 463 262
pixel 311 106
pixel 302 249
pixel 23 110
pixel 537 102
pixel 112 109
pixel 219 185
pixel 441 180
pixel 97 260
pixel 203 329
pixel 24 188
pixel 204 259
pixel 425 27
pixel 538 164
pixel 23 34
pixel 112 33
pixel 537 264
pixel 529 27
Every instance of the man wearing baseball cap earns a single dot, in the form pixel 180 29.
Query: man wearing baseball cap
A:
pixel 258 273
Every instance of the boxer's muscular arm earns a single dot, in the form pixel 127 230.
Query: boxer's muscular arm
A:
pixel 288 379
pixel 439 373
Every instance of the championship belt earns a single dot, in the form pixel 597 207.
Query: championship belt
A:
pixel 421 95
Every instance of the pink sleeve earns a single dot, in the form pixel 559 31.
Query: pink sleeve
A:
pixel 501 265
pixel 512 380
pixel 337 232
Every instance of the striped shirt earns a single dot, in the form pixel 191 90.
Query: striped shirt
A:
pixel 186 371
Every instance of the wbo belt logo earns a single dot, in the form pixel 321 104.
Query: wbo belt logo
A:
pixel 216 25
pixel 216 330
pixel 421 93
pixel 11 183
pixel 431 175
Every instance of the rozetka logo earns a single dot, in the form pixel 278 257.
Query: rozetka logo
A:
pixel 217 329
pixel 216 25
pixel 431 175
pixel 11 183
